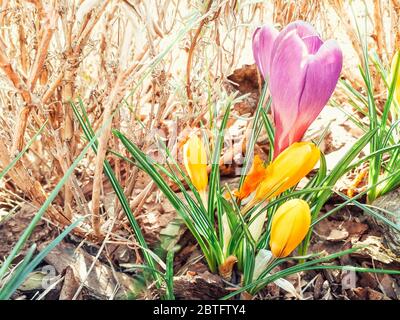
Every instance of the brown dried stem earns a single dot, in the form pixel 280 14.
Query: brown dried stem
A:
pixel 193 44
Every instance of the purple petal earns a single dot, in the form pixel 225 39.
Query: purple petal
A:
pixel 313 43
pixel 305 31
pixel 263 40
pixel 323 71
pixel 288 69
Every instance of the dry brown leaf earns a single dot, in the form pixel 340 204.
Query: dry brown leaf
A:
pixel 375 249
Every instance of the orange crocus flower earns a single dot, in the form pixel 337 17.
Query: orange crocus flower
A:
pixel 256 174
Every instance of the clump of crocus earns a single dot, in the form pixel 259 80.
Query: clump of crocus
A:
pixel 284 172
pixel 302 71
pixel 289 226
pixel 195 161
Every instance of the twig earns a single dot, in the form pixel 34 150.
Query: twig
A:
pixel 378 27
pixel 193 44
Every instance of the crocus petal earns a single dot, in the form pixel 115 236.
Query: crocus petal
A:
pixel 323 70
pixel 195 161
pixel 305 31
pixel 313 43
pixel 253 178
pixel 286 84
pixel 288 169
pixel 263 40
pixel 289 226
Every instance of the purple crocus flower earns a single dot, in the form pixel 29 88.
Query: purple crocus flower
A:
pixel 302 70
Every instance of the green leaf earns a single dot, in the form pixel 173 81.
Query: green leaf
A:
pixel 214 175
pixel 20 154
pixel 88 131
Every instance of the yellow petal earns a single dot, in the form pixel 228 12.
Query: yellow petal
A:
pixel 195 161
pixel 293 164
pixel 392 72
pixel 289 226
pixel 253 178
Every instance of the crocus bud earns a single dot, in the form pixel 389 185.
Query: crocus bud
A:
pixel 288 169
pixel 290 225
pixel 195 161
pixel 253 178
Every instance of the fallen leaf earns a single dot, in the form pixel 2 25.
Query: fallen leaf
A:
pixel 102 281
pixel 170 235
pixel 245 79
pixel 33 281
pixel 337 235
pixel 375 249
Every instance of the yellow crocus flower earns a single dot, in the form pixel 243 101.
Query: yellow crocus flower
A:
pixel 195 161
pixel 290 225
pixel 291 165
